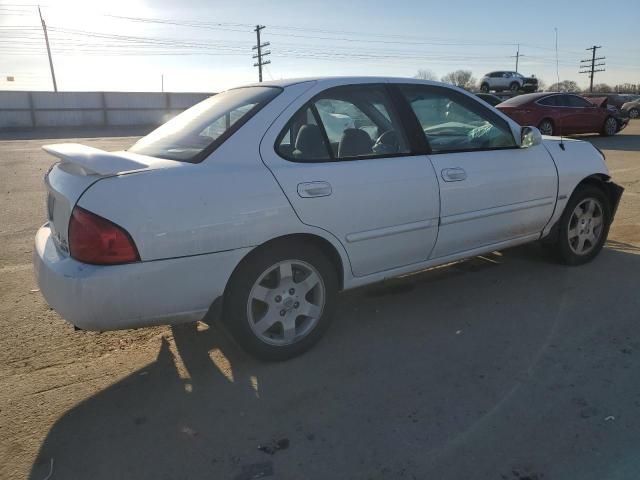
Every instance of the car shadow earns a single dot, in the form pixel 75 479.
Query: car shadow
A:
pixel 621 141
pixel 502 366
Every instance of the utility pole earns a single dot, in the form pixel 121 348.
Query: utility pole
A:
pixel 517 57
pixel 261 54
pixel 162 82
pixel 591 70
pixel 46 39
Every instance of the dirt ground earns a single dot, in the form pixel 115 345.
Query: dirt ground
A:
pixel 502 367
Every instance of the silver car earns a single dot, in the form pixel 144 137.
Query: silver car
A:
pixel 632 108
pixel 505 80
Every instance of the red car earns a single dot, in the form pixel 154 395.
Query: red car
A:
pixel 562 114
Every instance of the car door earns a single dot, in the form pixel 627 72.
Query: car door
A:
pixel 592 118
pixel 344 162
pixel 491 191
pixel 569 117
pixel 579 116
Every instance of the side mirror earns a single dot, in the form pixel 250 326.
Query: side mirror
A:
pixel 530 136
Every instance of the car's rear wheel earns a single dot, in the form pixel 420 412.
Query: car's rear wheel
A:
pixel 546 127
pixel 280 300
pixel 610 127
pixel 514 87
pixel 584 226
pixel 484 88
pixel 634 113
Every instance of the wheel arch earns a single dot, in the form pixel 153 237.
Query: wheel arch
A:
pixel 340 262
pixel 549 119
pixel 326 246
pixel 610 189
pixel 601 181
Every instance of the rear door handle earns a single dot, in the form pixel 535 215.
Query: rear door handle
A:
pixel 314 189
pixel 453 174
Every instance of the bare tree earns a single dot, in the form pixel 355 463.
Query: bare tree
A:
pixel 602 88
pixel 460 78
pixel 424 74
pixel 565 86
pixel 542 85
pixel 628 88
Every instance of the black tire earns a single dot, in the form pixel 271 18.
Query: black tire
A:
pixel 562 246
pixel 547 127
pixel 484 88
pixel 610 127
pixel 236 316
pixel 514 87
pixel 634 113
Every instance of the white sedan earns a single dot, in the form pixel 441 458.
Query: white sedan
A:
pixel 249 204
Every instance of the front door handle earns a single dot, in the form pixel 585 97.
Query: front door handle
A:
pixel 314 189
pixel 453 174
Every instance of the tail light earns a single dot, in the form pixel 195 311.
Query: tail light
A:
pixel 96 240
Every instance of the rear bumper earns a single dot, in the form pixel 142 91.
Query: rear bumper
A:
pixel 140 294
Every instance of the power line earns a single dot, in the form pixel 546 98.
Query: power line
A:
pixel 592 70
pixel 261 54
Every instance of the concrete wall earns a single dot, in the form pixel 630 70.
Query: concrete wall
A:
pixel 91 109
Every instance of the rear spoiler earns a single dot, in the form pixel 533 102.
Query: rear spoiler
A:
pixel 94 161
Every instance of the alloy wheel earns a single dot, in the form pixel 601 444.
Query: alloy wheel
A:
pixel 286 302
pixel 585 226
pixel 611 126
pixel 546 128
pixel 634 113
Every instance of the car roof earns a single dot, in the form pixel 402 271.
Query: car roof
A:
pixel 344 80
pixel 531 97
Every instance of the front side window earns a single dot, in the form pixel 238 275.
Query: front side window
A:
pixel 344 123
pixel 453 122
pixel 196 131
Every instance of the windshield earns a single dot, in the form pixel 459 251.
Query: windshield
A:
pixel 197 131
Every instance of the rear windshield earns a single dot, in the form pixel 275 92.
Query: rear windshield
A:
pixel 196 132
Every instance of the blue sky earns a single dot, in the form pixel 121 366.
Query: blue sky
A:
pixel 94 50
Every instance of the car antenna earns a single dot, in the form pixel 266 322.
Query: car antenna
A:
pixel 558 88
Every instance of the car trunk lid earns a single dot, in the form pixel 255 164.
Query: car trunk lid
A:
pixel 80 167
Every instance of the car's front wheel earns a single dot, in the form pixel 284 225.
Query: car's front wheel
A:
pixel 634 113
pixel 514 87
pixel 584 226
pixel 484 88
pixel 610 127
pixel 280 300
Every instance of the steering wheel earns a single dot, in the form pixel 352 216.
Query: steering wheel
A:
pixel 386 143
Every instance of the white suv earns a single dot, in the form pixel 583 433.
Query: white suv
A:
pixel 508 81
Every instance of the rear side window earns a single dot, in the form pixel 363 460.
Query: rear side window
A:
pixel 344 123
pixel 196 132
